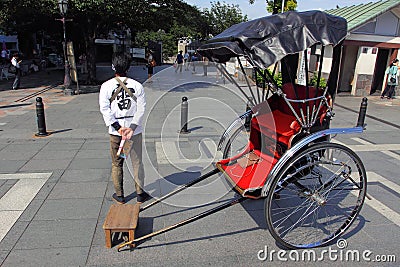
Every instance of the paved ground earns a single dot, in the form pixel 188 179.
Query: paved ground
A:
pixel 55 191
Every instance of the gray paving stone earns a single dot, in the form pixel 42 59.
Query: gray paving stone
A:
pixel 24 147
pixel 56 154
pixel 62 209
pixel 30 212
pixel 99 255
pixel 55 146
pixel 5 186
pixel 89 175
pixel 93 154
pixel 55 176
pixel 18 155
pixel 3 255
pixel 57 234
pixel 84 164
pixel 96 144
pixel 68 256
pixel 11 166
pixel 45 165
pixel 45 190
pixel 13 235
pixel 78 190
pixel 229 260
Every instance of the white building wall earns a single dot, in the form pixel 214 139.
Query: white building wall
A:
pixel 387 24
pixel 327 63
pixel 364 70
pixel 366 61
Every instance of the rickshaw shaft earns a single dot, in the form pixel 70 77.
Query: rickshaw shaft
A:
pixel 189 220
pixel 180 188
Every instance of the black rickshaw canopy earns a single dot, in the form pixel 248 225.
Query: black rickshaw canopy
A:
pixel 268 39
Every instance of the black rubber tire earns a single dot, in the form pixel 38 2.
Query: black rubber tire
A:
pixel 294 185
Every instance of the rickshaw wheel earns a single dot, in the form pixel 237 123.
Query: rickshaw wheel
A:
pixel 236 143
pixel 322 190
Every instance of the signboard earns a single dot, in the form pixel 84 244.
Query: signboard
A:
pixel 301 75
pixel 138 52
pixel 104 41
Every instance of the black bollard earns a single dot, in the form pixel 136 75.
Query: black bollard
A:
pixel 41 122
pixel 184 115
pixel 248 118
pixel 362 113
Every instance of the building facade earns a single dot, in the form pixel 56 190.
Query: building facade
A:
pixel 372 43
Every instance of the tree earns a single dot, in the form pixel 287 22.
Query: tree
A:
pixel 178 20
pixel 222 16
pixel 94 19
pixel 277 5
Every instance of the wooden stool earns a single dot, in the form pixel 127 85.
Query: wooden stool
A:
pixel 121 218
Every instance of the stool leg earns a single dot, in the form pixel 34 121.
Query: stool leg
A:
pixel 132 236
pixel 108 238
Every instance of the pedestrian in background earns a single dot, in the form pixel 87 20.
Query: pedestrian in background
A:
pixel 122 103
pixel 186 60
pixel 15 61
pixel 150 65
pixel 194 59
pixel 179 62
pixel 4 56
pixel 392 80
pixel 205 65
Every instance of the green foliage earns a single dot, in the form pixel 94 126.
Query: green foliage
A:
pixel 222 16
pixel 289 5
pixel 322 82
pixel 277 77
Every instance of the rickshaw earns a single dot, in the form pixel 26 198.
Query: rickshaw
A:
pixel 281 149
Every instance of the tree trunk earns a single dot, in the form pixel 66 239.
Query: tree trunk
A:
pixel 89 36
pixel 91 60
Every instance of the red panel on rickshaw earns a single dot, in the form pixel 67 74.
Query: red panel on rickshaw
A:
pixel 253 176
pixel 283 123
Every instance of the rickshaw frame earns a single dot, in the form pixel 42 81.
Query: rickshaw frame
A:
pixel 298 152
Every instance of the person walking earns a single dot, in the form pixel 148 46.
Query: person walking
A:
pixel 179 62
pixel 194 59
pixel 186 60
pixel 122 103
pixel 392 80
pixel 151 63
pixel 205 65
pixel 15 61
pixel 4 57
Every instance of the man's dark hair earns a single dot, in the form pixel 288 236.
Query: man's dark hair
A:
pixel 121 62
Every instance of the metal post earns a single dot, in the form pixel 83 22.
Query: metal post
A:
pixel 362 113
pixel 184 116
pixel 248 118
pixel 67 78
pixel 41 122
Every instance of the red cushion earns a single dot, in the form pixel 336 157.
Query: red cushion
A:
pixel 253 176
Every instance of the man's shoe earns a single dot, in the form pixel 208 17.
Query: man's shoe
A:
pixel 118 199
pixel 143 197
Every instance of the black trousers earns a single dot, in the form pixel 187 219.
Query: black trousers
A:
pixel 389 91
pixel 17 80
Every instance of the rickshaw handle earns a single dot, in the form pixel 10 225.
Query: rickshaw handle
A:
pixel 184 222
pixel 180 188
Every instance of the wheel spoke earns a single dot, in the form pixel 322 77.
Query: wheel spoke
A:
pixel 320 194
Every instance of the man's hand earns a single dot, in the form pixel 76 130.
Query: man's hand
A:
pixel 125 132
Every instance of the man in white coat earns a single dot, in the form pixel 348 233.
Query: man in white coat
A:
pixel 122 104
